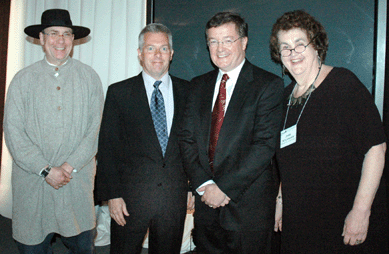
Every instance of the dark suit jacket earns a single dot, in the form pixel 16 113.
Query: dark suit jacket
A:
pixel 246 145
pixel 130 161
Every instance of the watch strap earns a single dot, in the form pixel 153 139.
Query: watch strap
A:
pixel 46 171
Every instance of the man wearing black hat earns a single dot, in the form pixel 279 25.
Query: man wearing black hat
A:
pixel 51 123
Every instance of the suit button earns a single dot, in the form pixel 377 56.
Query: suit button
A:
pixel 160 184
pixel 164 165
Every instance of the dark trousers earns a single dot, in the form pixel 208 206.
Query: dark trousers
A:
pixel 216 240
pixel 79 244
pixel 165 235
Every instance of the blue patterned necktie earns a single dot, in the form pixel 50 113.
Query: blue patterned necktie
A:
pixel 157 107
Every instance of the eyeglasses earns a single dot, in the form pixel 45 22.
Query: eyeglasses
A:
pixel 298 49
pixel 225 42
pixel 152 49
pixel 56 35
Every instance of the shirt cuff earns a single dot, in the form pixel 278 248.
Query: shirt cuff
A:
pixel 206 183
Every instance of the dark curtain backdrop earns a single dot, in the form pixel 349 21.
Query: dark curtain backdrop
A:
pixel 349 24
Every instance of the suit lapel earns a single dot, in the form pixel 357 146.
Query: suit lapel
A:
pixel 236 102
pixel 140 102
pixel 240 91
pixel 178 97
pixel 208 89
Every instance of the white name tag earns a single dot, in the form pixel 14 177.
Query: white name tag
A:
pixel 288 136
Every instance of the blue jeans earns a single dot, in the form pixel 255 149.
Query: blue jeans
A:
pixel 79 244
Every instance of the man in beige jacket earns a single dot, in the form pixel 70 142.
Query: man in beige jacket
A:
pixel 52 118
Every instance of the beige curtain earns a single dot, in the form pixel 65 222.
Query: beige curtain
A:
pixel 110 49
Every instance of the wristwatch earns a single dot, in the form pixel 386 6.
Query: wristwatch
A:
pixel 46 171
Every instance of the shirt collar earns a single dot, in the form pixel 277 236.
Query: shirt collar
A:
pixel 234 74
pixel 150 80
pixel 56 65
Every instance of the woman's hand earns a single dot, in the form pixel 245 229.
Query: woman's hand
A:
pixel 355 227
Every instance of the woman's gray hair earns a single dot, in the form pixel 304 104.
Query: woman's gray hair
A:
pixel 154 28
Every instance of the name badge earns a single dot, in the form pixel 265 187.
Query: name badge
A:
pixel 288 136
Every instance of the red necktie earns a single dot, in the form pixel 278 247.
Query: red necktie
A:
pixel 217 118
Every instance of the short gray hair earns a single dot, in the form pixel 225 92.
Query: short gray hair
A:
pixel 154 28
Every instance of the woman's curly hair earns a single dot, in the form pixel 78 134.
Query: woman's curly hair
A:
pixel 299 19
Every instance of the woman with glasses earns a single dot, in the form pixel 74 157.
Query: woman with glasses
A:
pixel 332 149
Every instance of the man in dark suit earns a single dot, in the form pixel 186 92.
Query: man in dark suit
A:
pixel 230 166
pixel 140 170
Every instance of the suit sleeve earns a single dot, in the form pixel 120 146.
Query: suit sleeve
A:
pixel 107 175
pixel 257 153
pixel 188 140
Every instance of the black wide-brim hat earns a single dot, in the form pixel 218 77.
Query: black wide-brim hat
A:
pixel 56 17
